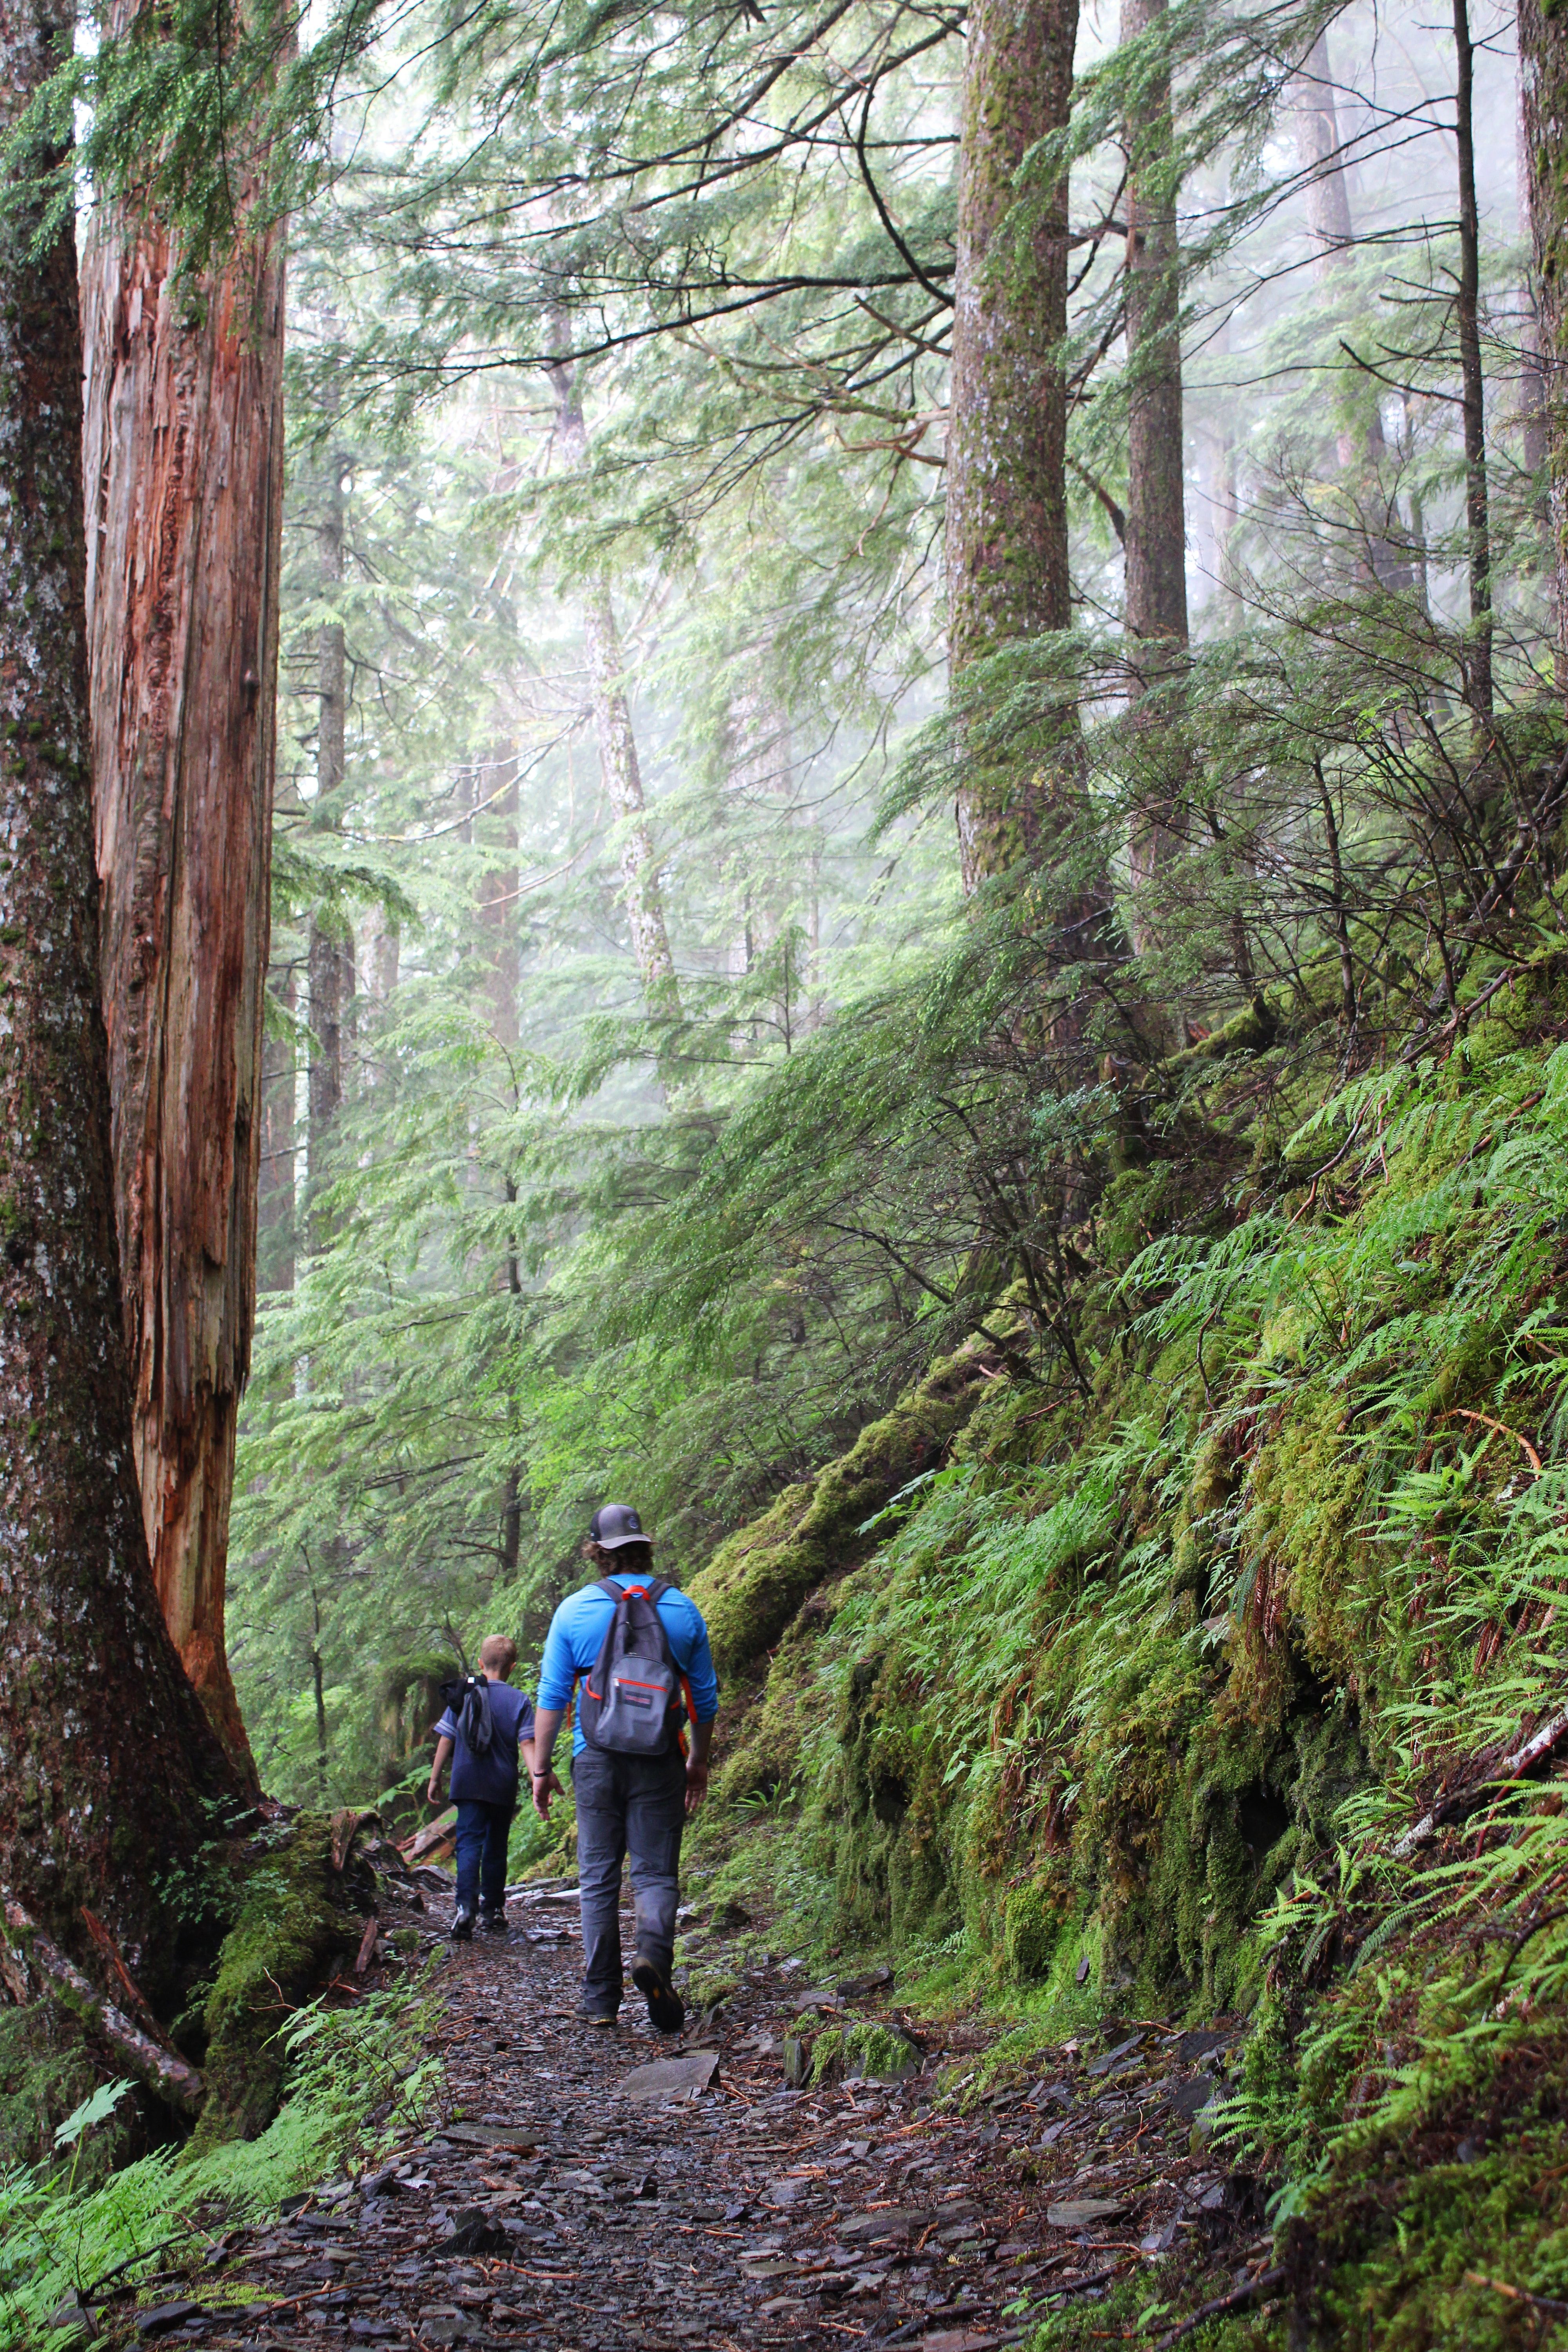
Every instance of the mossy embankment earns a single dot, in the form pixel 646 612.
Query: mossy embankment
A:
pixel 1136 1702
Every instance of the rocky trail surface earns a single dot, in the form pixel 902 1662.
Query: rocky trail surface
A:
pixel 565 2196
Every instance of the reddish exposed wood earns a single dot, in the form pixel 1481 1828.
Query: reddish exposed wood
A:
pixel 104 1749
pixel 136 1998
pixel 152 2061
pixel 185 460
pixel 366 1952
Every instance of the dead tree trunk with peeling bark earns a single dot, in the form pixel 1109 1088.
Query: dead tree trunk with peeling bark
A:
pixel 618 759
pixel 104 1749
pixel 183 454
pixel 1007 523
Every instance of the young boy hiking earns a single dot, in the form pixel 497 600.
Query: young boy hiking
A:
pixel 636 1653
pixel 485 1724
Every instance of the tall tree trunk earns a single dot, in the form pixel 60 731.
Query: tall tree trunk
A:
pixel 1544 52
pixel 275 1216
pixel 327 964
pixel 498 895
pixel 104 1746
pixel 1478 522
pixel 1156 592
pixel 618 759
pixel 185 467
pixel 1360 447
pixel 1006 522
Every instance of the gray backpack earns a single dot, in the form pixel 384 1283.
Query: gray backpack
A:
pixel 631 1700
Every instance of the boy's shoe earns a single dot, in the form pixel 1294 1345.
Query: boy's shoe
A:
pixel 600 2017
pixel 493 1922
pixel 462 1926
pixel 665 2007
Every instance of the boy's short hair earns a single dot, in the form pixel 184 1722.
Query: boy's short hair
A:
pixel 500 1651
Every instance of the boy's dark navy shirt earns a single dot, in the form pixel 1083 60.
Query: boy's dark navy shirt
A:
pixel 490 1778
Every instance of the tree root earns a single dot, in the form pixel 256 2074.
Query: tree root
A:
pixel 161 2068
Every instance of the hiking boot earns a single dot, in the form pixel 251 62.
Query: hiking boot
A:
pixel 493 1922
pixel 462 1926
pixel 666 2008
pixel 600 2018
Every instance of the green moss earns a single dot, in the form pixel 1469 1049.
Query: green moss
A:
pixel 859 2050
pixel 755 1582
pixel 294 1925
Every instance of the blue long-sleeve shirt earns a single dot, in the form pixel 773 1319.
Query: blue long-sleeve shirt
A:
pixel 577 1633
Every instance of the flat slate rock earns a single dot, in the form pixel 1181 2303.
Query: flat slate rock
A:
pixel 672 2078
pixel 164 2315
pixel 1078 2212
pixel 1191 2098
pixel 897 2219
pixel 516 2136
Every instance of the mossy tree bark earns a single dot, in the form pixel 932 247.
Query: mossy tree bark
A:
pixel 105 1751
pixel 1156 583
pixel 183 456
pixel 1543 57
pixel 1006 522
pixel 1467 308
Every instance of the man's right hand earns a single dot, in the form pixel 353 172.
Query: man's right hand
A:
pixel 546 1786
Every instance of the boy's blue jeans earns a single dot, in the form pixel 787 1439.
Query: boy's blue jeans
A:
pixel 482 1832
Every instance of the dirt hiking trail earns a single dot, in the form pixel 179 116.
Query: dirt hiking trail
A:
pixel 559 2198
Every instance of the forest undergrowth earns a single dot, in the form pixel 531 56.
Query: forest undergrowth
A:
pixel 1232 1684
pixel 356 2076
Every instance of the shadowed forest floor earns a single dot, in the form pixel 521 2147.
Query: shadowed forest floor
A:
pixel 543 2203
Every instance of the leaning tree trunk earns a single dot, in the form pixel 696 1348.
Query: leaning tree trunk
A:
pixel 1007 523
pixel 184 466
pixel 618 759
pixel 104 1747
pixel 1156 583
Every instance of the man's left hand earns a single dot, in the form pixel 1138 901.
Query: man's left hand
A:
pixel 696 1782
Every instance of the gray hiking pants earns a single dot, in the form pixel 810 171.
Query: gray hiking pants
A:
pixel 636 1806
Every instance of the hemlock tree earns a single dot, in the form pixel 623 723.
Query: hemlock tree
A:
pixel 185 464
pixel 105 1752
pixel 1156 596
pixel 1006 452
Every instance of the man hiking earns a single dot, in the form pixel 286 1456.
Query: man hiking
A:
pixel 484 1725
pixel 637 1648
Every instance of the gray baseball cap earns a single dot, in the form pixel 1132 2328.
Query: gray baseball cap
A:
pixel 615 1524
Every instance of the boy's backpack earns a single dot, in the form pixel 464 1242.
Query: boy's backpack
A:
pixel 630 1701
pixel 469 1701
